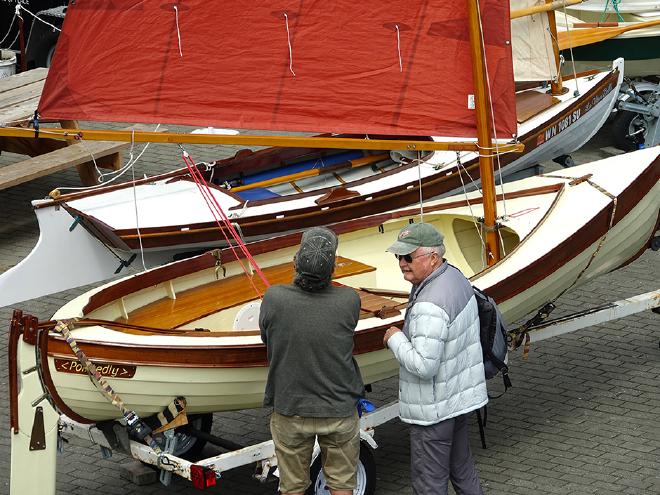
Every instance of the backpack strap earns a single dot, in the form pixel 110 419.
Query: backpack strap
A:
pixel 482 424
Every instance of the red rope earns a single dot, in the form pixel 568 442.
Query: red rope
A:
pixel 215 208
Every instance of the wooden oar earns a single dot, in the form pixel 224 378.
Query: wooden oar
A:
pixel 358 162
pixel 581 37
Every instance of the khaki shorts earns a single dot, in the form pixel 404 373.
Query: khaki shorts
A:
pixel 339 440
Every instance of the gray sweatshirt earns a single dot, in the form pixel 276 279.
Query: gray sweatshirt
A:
pixel 309 336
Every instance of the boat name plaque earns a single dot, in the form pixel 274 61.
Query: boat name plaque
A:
pixel 106 369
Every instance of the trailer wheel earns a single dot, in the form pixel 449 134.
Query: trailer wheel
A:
pixel 366 474
pixel 629 130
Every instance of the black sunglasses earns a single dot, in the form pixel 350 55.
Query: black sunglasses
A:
pixel 408 258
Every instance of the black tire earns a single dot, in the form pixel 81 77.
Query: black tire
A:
pixel 625 129
pixel 366 482
pixel 565 161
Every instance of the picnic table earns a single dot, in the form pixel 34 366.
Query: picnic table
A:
pixel 19 98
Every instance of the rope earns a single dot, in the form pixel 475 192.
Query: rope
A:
pixel 135 205
pixel 178 31
pixel 216 211
pixel 421 193
pixel 615 6
pixel 398 47
pixel 288 38
pixel 467 200
pixel 117 173
pixel 19 7
pixel 9 30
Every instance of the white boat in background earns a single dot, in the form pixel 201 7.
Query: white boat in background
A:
pixel 190 328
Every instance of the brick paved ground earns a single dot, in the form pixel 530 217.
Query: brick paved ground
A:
pixel 582 417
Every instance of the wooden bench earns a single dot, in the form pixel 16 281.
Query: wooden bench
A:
pixel 205 300
pixel 106 154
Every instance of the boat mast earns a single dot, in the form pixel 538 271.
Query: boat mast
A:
pixel 484 133
pixel 556 87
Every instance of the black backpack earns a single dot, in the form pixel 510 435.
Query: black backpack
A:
pixel 494 346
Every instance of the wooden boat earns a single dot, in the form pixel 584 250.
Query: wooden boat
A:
pixel 559 230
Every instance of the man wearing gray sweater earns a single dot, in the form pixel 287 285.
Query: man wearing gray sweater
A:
pixel 313 383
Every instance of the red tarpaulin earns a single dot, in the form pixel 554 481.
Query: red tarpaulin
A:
pixel 368 66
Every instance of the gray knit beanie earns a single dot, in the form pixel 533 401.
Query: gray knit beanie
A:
pixel 315 258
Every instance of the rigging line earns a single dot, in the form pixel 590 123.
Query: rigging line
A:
pixel 130 163
pixel 204 191
pixel 137 216
pixel 492 114
pixel 178 31
pixel 421 193
pixel 20 7
pixel 398 47
pixel 288 38
pixel 212 202
pixel 9 30
pixel 576 93
pixel 474 218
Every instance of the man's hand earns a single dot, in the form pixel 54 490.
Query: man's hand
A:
pixel 390 331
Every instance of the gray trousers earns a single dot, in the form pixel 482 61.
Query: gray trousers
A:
pixel 439 453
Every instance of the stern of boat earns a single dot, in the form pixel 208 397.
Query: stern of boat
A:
pixel 33 420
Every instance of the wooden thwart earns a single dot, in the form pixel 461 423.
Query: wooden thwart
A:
pixel 530 103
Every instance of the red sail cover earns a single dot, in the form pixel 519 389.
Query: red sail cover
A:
pixel 369 66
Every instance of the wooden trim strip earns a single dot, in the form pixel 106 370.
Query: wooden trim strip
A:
pixel 15 331
pixel 207 356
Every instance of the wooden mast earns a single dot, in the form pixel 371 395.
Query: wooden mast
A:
pixel 484 139
pixel 557 87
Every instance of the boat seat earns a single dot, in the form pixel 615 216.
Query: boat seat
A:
pixel 531 103
pixel 375 305
pixel 196 303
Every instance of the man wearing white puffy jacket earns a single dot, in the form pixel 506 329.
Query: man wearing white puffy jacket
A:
pixel 441 378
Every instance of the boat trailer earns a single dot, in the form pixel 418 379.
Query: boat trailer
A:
pixel 33 450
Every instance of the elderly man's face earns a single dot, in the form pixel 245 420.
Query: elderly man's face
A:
pixel 419 264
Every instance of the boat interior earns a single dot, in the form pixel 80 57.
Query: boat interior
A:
pixel 222 299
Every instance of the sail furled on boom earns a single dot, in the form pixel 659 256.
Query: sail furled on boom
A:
pixel 374 66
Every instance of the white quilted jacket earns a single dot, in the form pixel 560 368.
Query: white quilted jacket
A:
pixel 441 374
